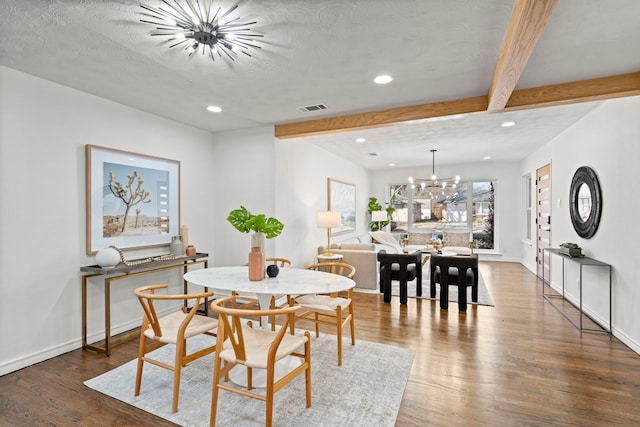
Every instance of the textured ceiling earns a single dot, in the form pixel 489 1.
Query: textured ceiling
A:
pixel 328 52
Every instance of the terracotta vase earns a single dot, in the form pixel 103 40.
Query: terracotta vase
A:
pixel 256 257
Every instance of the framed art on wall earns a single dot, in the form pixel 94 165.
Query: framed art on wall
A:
pixel 342 198
pixel 133 200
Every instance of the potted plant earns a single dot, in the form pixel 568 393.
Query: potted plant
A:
pixel 262 227
pixel 571 249
pixel 435 242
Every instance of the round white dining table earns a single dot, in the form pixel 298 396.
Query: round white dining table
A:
pixel 289 281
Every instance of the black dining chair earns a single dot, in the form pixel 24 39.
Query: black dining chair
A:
pixel 403 268
pixel 460 271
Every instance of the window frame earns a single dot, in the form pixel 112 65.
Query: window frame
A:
pixel 527 208
pixel 469 209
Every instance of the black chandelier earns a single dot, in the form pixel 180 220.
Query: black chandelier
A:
pixel 192 24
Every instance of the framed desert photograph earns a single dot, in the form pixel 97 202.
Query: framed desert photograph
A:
pixel 133 200
pixel 342 198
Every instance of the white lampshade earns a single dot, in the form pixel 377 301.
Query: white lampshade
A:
pixel 379 216
pixel 329 219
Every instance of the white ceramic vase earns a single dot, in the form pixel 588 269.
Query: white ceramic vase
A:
pixel 107 257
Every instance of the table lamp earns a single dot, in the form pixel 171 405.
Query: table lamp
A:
pixel 379 216
pixel 329 220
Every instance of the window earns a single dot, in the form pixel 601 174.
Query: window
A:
pixel 451 214
pixel 526 208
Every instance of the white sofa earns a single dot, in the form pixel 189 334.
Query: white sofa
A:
pixel 361 252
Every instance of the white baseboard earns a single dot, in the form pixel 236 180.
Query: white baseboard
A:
pixel 48 353
pixel 617 333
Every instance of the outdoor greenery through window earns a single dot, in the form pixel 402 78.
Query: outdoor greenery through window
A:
pixel 455 215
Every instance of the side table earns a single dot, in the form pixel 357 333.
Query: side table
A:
pixel 582 262
pixel 330 258
pixel 122 271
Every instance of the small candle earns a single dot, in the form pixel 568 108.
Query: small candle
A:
pixel 184 234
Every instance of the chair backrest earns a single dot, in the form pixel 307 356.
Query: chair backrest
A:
pixel 231 321
pixel 340 268
pixel 280 262
pixel 401 259
pixel 470 261
pixel 146 295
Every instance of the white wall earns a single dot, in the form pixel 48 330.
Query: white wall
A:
pixel 243 166
pixel 507 197
pixel 44 128
pixel 607 141
pixel 301 181
pixel 43 131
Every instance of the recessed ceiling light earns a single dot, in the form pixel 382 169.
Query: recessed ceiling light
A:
pixel 383 80
pixel 507 124
pixel 486 158
pixel 392 164
pixel 214 108
pixel 360 139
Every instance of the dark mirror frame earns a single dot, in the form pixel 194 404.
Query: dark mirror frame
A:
pixel 585 175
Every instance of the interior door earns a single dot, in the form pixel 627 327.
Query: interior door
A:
pixel 543 218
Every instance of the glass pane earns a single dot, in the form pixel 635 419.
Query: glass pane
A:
pixel 483 215
pixel 399 197
pixel 430 211
pixel 436 208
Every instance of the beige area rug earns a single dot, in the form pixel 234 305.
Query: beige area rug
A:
pixel 484 297
pixel 365 391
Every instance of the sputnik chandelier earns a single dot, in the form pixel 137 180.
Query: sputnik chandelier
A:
pixel 444 187
pixel 198 25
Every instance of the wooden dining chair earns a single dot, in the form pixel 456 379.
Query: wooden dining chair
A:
pixel 280 262
pixel 328 309
pixel 240 344
pixel 250 300
pixel 175 328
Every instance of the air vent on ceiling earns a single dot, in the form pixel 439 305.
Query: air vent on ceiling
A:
pixel 373 154
pixel 310 108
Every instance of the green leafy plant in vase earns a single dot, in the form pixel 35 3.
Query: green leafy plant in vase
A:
pixel 262 227
pixel 435 243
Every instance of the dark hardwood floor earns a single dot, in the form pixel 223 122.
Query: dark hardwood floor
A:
pixel 518 363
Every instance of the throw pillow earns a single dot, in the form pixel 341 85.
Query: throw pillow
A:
pixel 386 239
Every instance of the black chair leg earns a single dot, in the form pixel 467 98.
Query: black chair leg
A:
pixel 432 282
pixel 444 289
pixel 474 287
pixel 387 284
pixel 403 292
pixel 444 296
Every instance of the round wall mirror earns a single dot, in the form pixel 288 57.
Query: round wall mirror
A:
pixel 585 202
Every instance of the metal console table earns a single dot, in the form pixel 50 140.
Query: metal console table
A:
pixel 581 261
pixel 122 271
